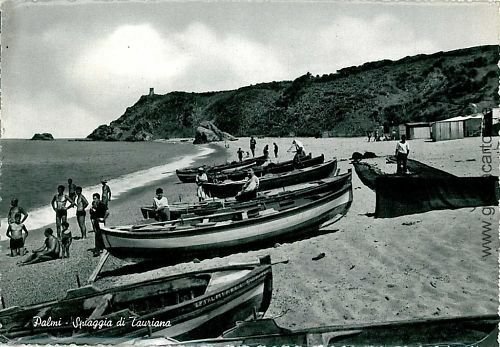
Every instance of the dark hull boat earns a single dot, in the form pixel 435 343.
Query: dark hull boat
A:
pixel 425 189
pixel 185 210
pixel 226 232
pixel 189 175
pixel 460 331
pixel 191 305
pixel 231 188
pixel 271 168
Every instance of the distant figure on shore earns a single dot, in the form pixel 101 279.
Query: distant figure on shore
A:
pixel 393 135
pixel 58 204
pixel 249 189
pixel 369 135
pixel 402 151
pixel 81 205
pixel 98 213
pixel 299 150
pixel 15 208
pixel 66 239
pixel 160 205
pixel 253 143
pixel 275 149
pixel 106 192
pixel 201 178
pixel 71 189
pixel 377 136
pixel 240 154
pixel 266 151
pixel 17 233
pixel 49 251
pixel 247 154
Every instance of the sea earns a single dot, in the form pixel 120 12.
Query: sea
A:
pixel 32 170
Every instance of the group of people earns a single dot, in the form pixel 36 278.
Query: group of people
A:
pixel 58 246
pixel 253 145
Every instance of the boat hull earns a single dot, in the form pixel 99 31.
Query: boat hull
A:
pixel 231 188
pixel 242 235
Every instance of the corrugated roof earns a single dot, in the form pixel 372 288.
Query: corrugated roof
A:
pixel 418 123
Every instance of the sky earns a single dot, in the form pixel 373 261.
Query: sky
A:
pixel 69 67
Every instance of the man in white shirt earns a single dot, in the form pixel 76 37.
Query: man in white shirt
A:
pixel 249 190
pixel 160 205
pixel 402 151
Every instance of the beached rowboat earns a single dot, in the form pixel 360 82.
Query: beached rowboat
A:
pixel 187 210
pixel 191 305
pixel 225 232
pixel 457 331
pixel 188 175
pixel 231 188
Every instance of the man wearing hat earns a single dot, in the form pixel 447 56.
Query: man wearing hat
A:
pixel 106 192
pixel 249 190
pixel 201 178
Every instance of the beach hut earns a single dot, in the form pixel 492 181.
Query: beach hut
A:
pixel 448 129
pixel 418 130
pixel 473 125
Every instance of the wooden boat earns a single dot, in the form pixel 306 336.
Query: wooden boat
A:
pixel 272 168
pixel 188 175
pixel 457 331
pixel 187 210
pixel 425 189
pixel 226 232
pixel 191 305
pixel 231 188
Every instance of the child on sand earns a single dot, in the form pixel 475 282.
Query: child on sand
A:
pixel 66 239
pixel 17 233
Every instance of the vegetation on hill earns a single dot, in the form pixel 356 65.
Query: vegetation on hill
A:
pixel 346 103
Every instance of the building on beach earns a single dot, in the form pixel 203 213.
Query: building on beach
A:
pixel 458 127
pixel 418 130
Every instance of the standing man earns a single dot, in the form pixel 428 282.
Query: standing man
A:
pixel 402 151
pixel 201 178
pixel 81 205
pixel 106 192
pixel 275 149
pixel 266 151
pixel 253 143
pixel 249 189
pixel 71 189
pixel 58 204
pixel 240 154
pixel 160 205
pixel 98 214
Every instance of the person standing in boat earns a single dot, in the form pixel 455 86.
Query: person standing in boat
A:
pixel 106 192
pixel 275 149
pixel 98 214
pixel 253 143
pixel 402 151
pixel 300 152
pixel 201 178
pixel 160 206
pixel 249 189
pixel 58 204
pixel 240 154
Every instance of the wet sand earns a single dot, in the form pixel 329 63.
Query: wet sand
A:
pixel 423 265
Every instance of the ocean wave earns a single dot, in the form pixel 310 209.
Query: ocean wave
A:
pixel 45 216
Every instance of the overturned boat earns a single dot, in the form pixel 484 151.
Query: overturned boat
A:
pixel 225 232
pixel 192 305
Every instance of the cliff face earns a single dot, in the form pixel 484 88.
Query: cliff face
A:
pixel 346 103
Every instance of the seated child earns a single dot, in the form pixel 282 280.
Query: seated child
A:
pixel 66 239
pixel 15 234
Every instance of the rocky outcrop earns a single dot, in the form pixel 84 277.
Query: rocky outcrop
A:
pixel 208 132
pixel 43 137
pixel 113 133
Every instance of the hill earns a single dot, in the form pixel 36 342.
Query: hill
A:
pixel 345 103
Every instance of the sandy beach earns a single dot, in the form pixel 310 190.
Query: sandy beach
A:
pixel 423 265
